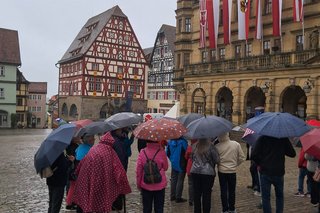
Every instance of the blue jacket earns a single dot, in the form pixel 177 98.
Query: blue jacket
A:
pixel 175 151
pixel 82 150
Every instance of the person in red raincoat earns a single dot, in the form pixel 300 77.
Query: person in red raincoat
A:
pixel 101 178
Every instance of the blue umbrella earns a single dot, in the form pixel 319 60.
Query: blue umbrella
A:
pixel 278 125
pixel 251 139
pixel 53 146
pixel 188 118
pixel 208 127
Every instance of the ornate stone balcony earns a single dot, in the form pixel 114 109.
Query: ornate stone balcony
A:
pixel 253 63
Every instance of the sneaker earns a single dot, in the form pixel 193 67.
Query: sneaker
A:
pixel 180 200
pixel 299 194
pixel 256 193
pixel 307 194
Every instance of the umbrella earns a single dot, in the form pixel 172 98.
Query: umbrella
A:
pixel 53 146
pixel 82 123
pixel 174 112
pixel 160 129
pixel 97 127
pixel 314 123
pixel 188 118
pixel 123 119
pixel 311 142
pixel 278 125
pixel 250 137
pixel 208 127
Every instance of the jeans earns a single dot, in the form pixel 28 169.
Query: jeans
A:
pixel 302 174
pixel 190 188
pixel 255 176
pixel 56 194
pixel 277 182
pixel 228 190
pixel 202 188
pixel 155 197
pixel 314 189
pixel 177 179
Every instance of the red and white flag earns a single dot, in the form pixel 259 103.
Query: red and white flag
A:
pixel 247 132
pixel 298 10
pixel 243 19
pixel 258 20
pixel 227 7
pixel 276 15
pixel 213 10
pixel 203 23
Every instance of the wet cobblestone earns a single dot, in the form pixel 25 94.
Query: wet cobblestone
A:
pixel 22 190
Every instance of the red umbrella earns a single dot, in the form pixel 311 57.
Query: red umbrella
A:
pixel 82 123
pixel 160 129
pixel 311 142
pixel 314 123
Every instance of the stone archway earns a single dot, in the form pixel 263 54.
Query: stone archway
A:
pixel 64 109
pixel 224 103
pixel 198 104
pixel 106 111
pixel 73 111
pixel 294 100
pixel 253 98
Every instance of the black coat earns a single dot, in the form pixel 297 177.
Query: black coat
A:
pixel 60 172
pixel 269 153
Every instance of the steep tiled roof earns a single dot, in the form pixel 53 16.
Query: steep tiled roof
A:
pixel 147 52
pixel 9 47
pixel 170 34
pixel 21 78
pixel 96 23
pixel 38 87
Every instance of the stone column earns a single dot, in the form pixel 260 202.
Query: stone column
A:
pixel 209 110
pixel 270 97
pixel 236 114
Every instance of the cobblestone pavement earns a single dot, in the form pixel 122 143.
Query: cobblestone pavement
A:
pixel 21 190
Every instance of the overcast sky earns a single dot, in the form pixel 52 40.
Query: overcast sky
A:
pixel 47 27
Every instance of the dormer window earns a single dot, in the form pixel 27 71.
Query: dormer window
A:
pixel 84 38
pixel 75 52
pixel 91 26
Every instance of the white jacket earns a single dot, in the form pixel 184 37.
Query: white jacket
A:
pixel 231 154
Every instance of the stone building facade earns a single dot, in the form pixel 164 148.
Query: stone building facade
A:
pixel 275 73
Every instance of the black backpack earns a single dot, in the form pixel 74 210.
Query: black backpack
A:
pixel 151 171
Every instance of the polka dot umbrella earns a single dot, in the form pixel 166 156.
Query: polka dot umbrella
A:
pixel 160 129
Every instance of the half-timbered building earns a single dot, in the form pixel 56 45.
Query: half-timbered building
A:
pixel 161 94
pixel 103 70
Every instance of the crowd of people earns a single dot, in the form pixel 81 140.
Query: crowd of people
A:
pixel 96 179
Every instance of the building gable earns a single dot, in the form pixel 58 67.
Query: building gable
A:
pixel 9 47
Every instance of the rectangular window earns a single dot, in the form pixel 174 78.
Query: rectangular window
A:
pixel 160 95
pixel 34 109
pixel 38 109
pixel 91 84
pixel 268 7
pixel 171 95
pixel 112 85
pixel 213 55
pixel 2 71
pixel 119 70
pixel 95 66
pixel 188 25
pixel 38 121
pixel 266 47
pixel 179 25
pixel 148 95
pixel 237 51
pixel 186 58
pixel 19 102
pixel 222 53
pixel 248 50
pixel 277 45
pixel 98 84
pixel 135 71
pixel 119 86
pixel 39 97
pixel 204 56
pixel 34 97
pixel 299 43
